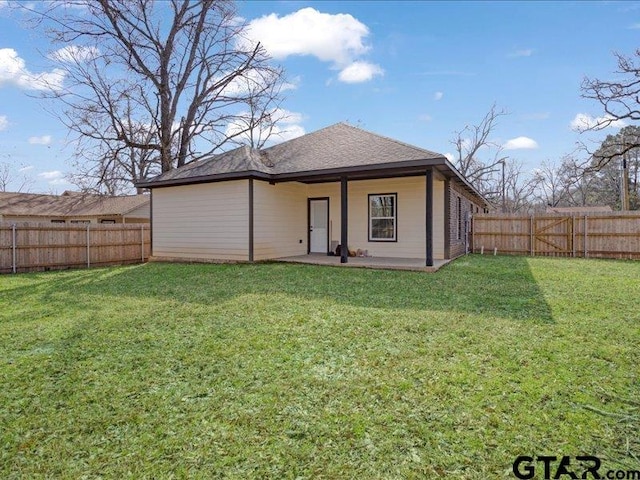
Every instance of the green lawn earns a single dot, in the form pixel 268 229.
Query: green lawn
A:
pixel 294 371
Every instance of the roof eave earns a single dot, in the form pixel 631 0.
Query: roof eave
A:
pixel 219 177
pixel 142 204
pixel 328 174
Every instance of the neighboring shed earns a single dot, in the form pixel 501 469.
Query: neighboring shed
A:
pixel 74 207
pixel 338 185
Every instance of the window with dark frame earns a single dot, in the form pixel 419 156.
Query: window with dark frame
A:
pixel 58 221
pixel 106 220
pixel 80 221
pixel 383 216
pixel 459 230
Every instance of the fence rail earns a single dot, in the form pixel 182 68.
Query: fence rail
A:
pixel 28 246
pixel 610 235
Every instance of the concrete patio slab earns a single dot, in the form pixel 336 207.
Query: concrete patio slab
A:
pixel 384 263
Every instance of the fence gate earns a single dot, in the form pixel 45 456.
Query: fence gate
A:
pixel 553 236
pixel 597 235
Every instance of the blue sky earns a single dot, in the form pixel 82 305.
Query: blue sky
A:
pixel 414 71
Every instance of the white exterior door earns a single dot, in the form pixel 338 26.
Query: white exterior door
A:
pixel 319 226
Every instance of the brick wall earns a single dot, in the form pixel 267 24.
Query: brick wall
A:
pixel 459 218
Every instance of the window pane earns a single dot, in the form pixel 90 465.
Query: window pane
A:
pixel 382 229
pixel 382 206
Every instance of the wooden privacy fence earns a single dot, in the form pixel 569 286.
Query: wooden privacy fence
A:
pixel 26 247
pixel 601 235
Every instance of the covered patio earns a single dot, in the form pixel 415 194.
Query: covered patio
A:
pixel 383 263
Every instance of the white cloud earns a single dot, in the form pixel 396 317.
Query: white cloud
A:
pixel 520 143
pixel 292 85
pixel 74 54
pixel 288 132
pixel 52 175
pixel 438 96
pixel 449 156
pixel 583 121
pixel 43 140
pixel 26 168
pixel 331 38
pixel 338 39
pixel 4 123
pixel 635 26
pixel 59 181
pixel 527 52
pixel 425 117
pixel 252 81
pixel 359 72
pixel 13 71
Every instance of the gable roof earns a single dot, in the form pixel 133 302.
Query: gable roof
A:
pixel 322 155
pixel 69 204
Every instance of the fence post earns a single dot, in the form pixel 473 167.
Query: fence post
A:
pixel 142 241
pixel 585 237
pixel 13 248
pixel 573 235
pixel 88 247
pixel 531 235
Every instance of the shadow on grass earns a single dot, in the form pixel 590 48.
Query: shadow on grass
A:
pixel 494 286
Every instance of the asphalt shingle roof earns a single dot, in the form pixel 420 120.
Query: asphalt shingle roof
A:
pixel 69 204
pixel 324 153
pixel 336 146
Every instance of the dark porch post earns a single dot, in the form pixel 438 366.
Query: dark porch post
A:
pixel 447 219
pixel 344 238
pixel 429 217
pixel 251 220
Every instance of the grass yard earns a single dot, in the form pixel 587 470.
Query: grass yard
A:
pixel 294 371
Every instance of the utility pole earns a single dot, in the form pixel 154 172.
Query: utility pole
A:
pixel 624 194
pixel 504 197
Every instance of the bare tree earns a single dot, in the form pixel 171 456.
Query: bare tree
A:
pixel 156 82
pixel 565 185
pixel 263 117
pixel 518 188
pixel 620 100
pixel 552 188
pixel 468 144
pixel 12 180
pixel 108 166
pixel 581 182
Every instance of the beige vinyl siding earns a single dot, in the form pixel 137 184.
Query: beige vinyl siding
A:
pixel 205 221
pixel 410 215
pixel 211 221
pixel 280 220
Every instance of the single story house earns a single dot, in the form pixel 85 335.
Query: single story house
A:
pixel 340 185
pixel 74 207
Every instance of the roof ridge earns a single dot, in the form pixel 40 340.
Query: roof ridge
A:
pixel 306 135
pixel 73 197
pixel 399 142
